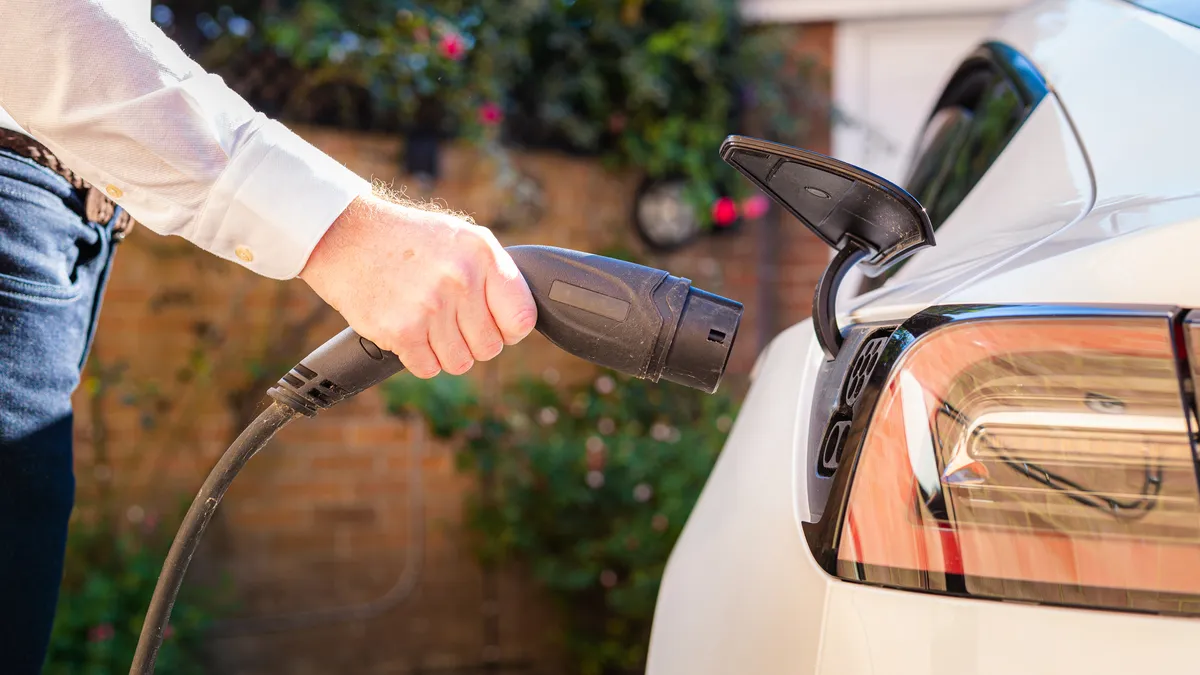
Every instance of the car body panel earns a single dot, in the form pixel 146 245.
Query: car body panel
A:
pixel 741 592
pixel 906 633
pixel 1096 200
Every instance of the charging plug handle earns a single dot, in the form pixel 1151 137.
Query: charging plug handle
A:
pixel 634 319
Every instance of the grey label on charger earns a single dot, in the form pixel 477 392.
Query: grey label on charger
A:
pixel 589 301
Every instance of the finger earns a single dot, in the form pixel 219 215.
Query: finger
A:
pixel 448 344
pixel 509 300
pixel 418 357
pixel 476 324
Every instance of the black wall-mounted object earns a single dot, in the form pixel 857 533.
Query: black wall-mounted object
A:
pixel 867 219
pixel 662 216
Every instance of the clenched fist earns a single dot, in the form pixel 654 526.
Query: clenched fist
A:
pixel 430 286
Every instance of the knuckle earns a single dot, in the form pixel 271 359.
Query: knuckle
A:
pixel 490 349
pixel 489 243
pixel 483 239
pixel 459 366
pixel 487 346
pixel 458 276
pixel 424 372
pixel 471 239
pixel 431 304
pixel 524 320
pixel 421 367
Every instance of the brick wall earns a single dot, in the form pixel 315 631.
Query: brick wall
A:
pixel 340 508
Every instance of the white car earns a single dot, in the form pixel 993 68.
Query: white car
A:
pixel 997 473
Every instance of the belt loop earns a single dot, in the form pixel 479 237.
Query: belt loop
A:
pixel 99 208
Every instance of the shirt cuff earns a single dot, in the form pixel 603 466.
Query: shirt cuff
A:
pixel 274 202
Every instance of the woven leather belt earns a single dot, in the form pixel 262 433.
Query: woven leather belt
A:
pixel 100 208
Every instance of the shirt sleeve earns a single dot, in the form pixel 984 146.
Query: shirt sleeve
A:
pixel 121 104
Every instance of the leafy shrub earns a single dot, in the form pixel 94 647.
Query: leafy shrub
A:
pixel 108 580
pixel 587 488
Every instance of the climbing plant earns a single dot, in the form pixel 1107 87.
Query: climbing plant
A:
pixel 649 85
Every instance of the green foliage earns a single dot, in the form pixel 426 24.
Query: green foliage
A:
pixel 108 581
pixel 588 488
pixel 447 403
pixel 653 85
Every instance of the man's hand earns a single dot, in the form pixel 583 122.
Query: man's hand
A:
pixel 435 289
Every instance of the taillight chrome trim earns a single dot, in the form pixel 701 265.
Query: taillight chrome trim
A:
pixel 823 536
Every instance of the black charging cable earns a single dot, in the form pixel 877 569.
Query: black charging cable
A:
pixel 633 319
pixel 249 442
pixel 339 369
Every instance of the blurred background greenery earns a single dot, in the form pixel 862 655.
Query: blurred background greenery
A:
pixel 594 527
pixel 653 85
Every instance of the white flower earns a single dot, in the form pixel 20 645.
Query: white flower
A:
pixel 605 384
pixel 595 479
pixel 594 444
pixel 660 432
pixel 642 492
pixel 548 416
pixel 606 426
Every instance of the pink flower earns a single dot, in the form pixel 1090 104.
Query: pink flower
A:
pixel 724 212
pixel 756 206
pixel 490 114
pixel 168 632
pixel 452 46
pixel 101 633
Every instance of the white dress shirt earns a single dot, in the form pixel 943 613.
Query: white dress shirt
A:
pixel 121 104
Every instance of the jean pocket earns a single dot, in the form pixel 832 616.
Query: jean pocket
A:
pixel 33 290
pixel 46 247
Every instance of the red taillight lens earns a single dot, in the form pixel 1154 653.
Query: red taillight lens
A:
pixel 1045 459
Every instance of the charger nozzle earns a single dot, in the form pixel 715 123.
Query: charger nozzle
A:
pixel 634 319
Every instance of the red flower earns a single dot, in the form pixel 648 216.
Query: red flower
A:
pixel 168 632
pixel 101 633
pixel 452 46
pixel 490 114
pixel 724 211
pixel 756 206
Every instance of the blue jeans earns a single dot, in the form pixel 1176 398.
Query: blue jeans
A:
pixel 53 267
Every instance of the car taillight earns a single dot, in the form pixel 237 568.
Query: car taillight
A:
pixel 1043 458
